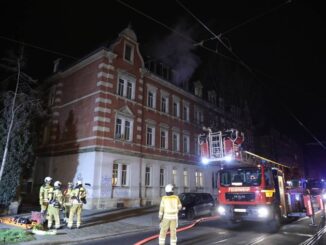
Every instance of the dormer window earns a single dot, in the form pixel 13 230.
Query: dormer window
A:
pixel 128 53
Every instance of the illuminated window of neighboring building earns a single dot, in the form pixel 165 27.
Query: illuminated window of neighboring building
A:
pixel 147 176
pixel 128 53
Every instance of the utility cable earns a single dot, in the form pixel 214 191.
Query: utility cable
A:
pixel 218 37
pixel 37 47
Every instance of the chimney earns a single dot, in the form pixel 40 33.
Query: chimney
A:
pixel 56 65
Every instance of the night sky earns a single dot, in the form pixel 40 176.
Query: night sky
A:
pixel 281 43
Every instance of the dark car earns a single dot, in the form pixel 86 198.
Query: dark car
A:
pixel 196 204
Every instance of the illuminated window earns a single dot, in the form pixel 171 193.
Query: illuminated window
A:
pixel 199 178
pixel 185 178
pixel 174 177
pixel 115 174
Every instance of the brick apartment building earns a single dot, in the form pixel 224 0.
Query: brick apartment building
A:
pixel 127 131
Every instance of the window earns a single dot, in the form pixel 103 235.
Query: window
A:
pixel 175 142
pixel 119 174
pixel 199 116
pixel 199 178
pixel 186 144
pixel 185 178
pixel 52 95
pixel 150 99
pixel 174 177
pixel 162 175
pixel 126 86
pixel 175 109
pixel 129 90
pixel 164 139
pixel 123 128
pixel 186 113
pixel 124 175
pixel 212 97
pixel 165 104
pixel 197 147
pixel 150 136
pixel 115 174
pixel 129 53
pixel 147 176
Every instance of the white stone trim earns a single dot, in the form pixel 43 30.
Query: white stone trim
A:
pixel 139 111
pixel 139 120
pixel 55 121
pixel 138 128
pixel 102 109
pixel 105 84
pixel 57 100
pixel 102 119
pixel 106 66
pixel 140 89
pixel 60 85
pixel 58 92
pixel 104 74
pixel 55 114
pixel 102 100
pixel 141 81
pixel 140 97
pixel 101 129
pixel 138 137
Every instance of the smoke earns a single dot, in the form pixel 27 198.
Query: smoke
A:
pixel 176 52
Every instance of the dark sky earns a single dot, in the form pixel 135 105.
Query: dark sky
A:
pixel 282 43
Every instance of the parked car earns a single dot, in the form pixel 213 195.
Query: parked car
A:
pixel 196 204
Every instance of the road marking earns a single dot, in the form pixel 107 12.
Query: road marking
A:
pixel 297 234
pixel 257 240
pixel 220 241
pixel 315 238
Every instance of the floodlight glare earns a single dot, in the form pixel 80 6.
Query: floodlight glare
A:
pixel 228 158
pixel 205 160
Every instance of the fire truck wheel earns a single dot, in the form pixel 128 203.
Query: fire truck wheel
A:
pixel 275 223
pixel 190 214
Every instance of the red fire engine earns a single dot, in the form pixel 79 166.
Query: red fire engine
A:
pixel 251 187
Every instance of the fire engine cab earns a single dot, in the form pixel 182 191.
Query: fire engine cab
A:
pixel 251 187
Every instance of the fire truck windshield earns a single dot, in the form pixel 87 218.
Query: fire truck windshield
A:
pixel 240 177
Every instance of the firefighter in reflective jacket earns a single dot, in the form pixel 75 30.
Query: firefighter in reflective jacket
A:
pixel 55 203
pixel 67 200
pixel 78 197
pixel 44 194
pixel 168 215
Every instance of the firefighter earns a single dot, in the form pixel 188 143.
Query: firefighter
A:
pixel 55 203
pixel 168 215
pixel 67 200
pixel 44 194
pixel 78 197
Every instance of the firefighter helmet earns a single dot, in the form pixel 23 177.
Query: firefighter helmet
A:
pixel 57 184
pixel 79 183
pixel 47 180
pixel 169 188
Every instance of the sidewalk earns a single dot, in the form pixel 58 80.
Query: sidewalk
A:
pixel 98 224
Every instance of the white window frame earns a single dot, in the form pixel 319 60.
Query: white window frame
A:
pixel 123 81
pixel 176 109
pixel 176 144
pixel 174 176
pixel 122 135
pixel 186 144
pixel 132 51
pixel 166 140
pixel 199 178
pixel 152 143
pixel 185 178
pixel 187 113
pixel 148 179
pixel 162 177
pixel 120 176
pixel 153 90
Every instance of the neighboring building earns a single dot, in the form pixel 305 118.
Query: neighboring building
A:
pixel 282 149
pixel 128 131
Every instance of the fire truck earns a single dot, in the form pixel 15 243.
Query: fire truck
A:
pixel 252 187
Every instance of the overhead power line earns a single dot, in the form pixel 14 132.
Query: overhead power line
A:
pixel 37 47
pixel 218 37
